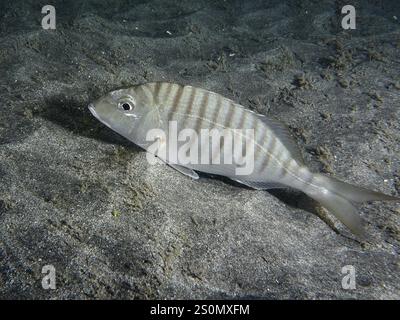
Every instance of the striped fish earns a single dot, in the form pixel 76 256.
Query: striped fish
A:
pixel 135 111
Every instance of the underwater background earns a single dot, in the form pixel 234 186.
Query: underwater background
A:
pixel 76 196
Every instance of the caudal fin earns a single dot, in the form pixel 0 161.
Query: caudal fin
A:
pixel 352 192
pixel 337 197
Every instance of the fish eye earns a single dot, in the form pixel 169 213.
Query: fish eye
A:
pixel 126 106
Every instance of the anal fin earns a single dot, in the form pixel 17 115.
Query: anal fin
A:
pixel 260 185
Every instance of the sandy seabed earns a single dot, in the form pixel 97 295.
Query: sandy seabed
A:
pixel 76 196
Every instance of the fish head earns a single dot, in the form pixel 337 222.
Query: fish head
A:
pixel 120 110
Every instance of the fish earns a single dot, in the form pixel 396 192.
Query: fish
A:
pixel 136 111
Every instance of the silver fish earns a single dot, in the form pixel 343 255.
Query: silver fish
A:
pixel 134 111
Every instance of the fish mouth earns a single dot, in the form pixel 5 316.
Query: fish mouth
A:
pixel 94 113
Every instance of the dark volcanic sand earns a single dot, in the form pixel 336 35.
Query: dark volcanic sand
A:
pixel 77 196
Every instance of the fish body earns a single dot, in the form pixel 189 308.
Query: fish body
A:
pixel 275 159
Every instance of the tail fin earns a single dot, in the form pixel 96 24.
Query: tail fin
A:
pixel 351 192
pixel 337 197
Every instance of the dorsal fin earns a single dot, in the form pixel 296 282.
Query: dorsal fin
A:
pixel 283 134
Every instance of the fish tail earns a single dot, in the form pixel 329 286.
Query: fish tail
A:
pixel 338 197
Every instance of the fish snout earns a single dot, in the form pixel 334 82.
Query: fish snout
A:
pixel 93 110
